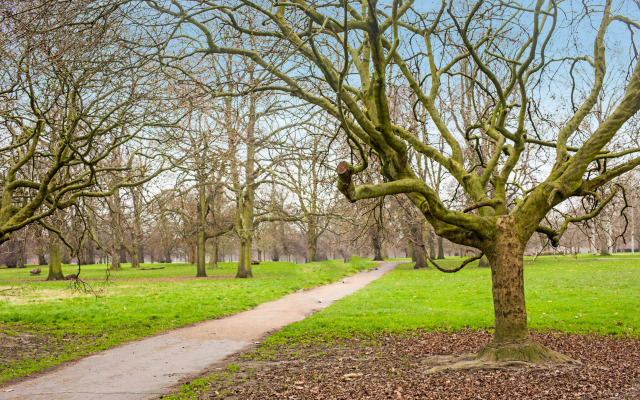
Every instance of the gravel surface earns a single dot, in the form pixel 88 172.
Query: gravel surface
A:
pixel 391 367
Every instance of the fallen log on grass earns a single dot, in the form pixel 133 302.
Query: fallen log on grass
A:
pixel 149 268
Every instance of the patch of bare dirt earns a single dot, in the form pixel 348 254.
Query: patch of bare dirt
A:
pixel 18 346
pixel 21 346
pixel 392 367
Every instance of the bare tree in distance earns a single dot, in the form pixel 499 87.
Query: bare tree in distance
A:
pixel 71 94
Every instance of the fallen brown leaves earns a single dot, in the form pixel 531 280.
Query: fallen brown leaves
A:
pixel 390 367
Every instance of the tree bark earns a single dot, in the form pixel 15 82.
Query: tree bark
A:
pixel 213 253
pixel 440 249
pixel 312 245
pixel 511 341
pixel 123 254
pixel 135 257
pixel 55 264
pixel 244 262
pixel 484 262
pixel 201 268
pixel 418 254
pixel 21 251
pixel 376 243
pixel 64 256
pixel 247 199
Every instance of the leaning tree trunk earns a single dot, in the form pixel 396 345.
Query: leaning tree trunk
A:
pixel 511 341
pixel 55 264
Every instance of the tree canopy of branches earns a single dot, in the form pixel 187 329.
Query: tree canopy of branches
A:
pixel 72 99
pixel 502 64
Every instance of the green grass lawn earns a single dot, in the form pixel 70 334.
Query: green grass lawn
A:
pixel 133 304
pixel 585 295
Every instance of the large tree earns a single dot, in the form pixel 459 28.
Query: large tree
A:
pixel 531 61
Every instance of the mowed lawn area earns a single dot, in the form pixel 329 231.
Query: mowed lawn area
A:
pixel 45 323
pixel 386 336
pixel 588 294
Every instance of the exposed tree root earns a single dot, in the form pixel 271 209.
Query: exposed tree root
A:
pixel 505 356
pixel 527 351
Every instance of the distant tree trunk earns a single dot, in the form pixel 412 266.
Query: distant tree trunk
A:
pixel 11 259
pixel 64 255
pixel 133 254
pixel 201 268
pixel 123 254
pixel 213 254
pixel 42 260
pixel 247 198
pixel 484 262
pixel 418 253
pixel 604 248
pixel 20 252
pixel 87 255
pixel 259 255
pixel 312 242
pixel 430 242
pixel 244 261
pixel 55 262
pixel 275 253
pixel 440 249
pixel 376 243
pixel 115 260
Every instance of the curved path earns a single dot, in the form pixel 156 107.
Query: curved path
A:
pixel 148 368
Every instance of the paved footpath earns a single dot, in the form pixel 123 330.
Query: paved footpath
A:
pixel 150 367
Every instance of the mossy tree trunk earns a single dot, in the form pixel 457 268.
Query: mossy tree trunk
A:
pixel 55 259
pixel 418 250
pixel 511 340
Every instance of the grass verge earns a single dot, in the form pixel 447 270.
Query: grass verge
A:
pixel 45 323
